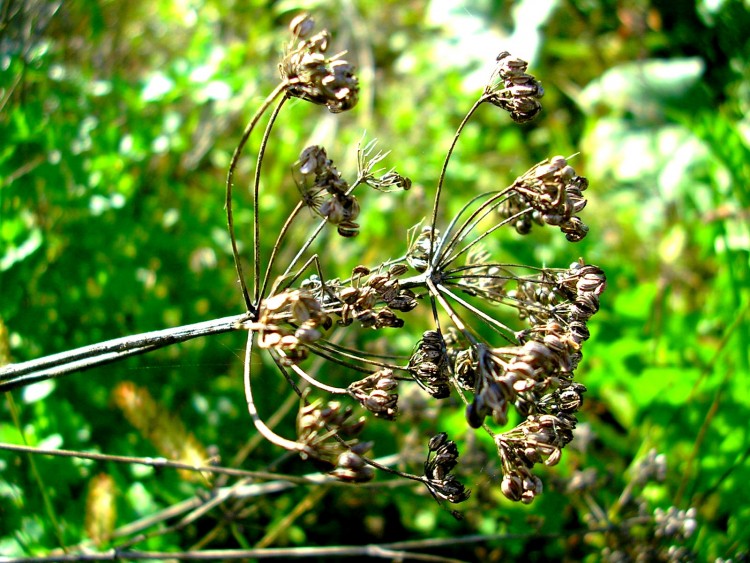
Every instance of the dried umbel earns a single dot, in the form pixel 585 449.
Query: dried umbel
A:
pixel 329 439
pixel 325 192
pixel 550 193
pixel 375 393
pixel 430 364
pixel 442 458
pixel 511 89
pixel 288 322
pixel 312 75
pixel 447 274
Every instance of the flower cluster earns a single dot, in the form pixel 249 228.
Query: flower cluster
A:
pixel 370 298
pixel 325 191
pixel 288 322
pixel 374 393
pixel 430 364
pixel 329 440
pixel 313 76
pixel 513 90
pixel 538 439
pixel 442 458
pixel 550 193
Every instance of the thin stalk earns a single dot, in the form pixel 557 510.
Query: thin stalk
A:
pixel 468 225
pixel 267 433
pixel 327 351
pixel 435 293
pixel 157 463
pixel 315 383
pixel 448 259
pixel 492 322
pixel 282 234
pixel 229 184
pixel 256 209
pixel 441 179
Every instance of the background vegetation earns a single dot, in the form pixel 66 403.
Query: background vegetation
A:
pixel 117 122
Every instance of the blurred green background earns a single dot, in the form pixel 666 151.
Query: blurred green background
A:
pixel 118 120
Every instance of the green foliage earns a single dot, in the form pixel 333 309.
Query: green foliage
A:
pixel 118 121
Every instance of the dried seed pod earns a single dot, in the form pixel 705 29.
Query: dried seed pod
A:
pixel 310 75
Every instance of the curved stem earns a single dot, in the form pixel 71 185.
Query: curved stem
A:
pixel 229 183
pixel 441 179
pixel 315 383
pixel 256 210
pixel 264 430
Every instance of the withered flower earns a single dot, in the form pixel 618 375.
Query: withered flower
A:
pixel 375 393
pixel 319 426
pixel 430 366
pixel 511 89
pixel 311 75
pixel 442 456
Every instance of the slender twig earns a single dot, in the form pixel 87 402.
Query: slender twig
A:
pixel 17 375
pixel 314 382
pixel 393 551
pixel 156 462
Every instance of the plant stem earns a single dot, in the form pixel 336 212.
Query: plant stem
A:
pixel 264 430
pixel 17 375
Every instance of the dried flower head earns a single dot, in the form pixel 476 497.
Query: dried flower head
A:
pixel 442 458
pixel 311 75
pixel 430 365
pixel 375 393
pixel 550 193
pixel 511 89
pixel 329 438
